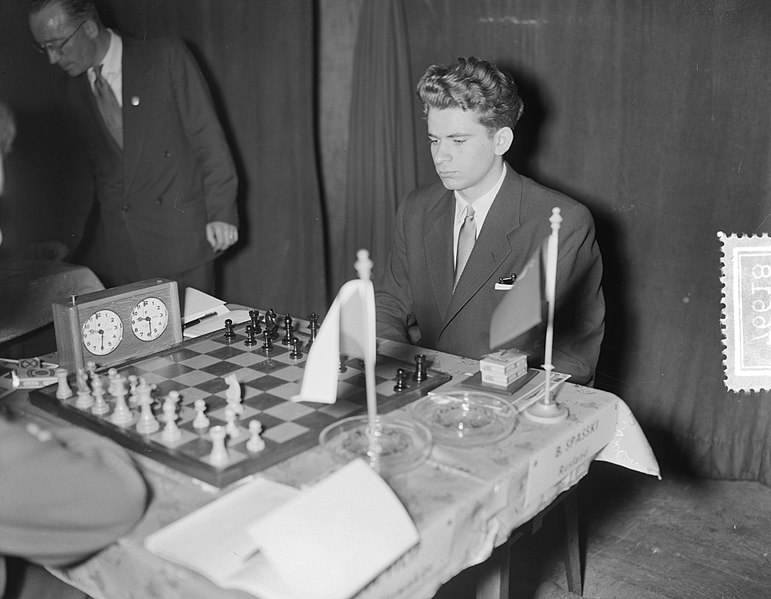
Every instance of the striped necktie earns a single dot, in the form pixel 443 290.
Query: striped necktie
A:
pixel 466 239
pixel 108 106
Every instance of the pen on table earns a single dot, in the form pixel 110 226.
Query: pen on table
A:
pixel 198 320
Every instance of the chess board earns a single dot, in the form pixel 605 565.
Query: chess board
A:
pixel 196 369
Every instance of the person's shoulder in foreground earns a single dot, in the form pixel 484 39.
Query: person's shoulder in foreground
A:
pixel 66 493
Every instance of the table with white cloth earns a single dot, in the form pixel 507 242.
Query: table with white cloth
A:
pixel 464 501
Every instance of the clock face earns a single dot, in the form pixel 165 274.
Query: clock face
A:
pixel 102 332
pixel 149 319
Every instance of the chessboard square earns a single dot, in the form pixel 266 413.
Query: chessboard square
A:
pixel 340 409
pixel 250 392
pixel 264 383
pixel 284 432
pixel 193 378
pixel 247 358
pixel 286 391
pixel 190 394
pixel 350 392
pixel 289 410
pixel 245 375
pixel 205 346
pixel 221 368
pixel 386 388
pixel 225 352
pixel 269 365
pixel 291 373
pixel 152 379
pixel 180 355
pixel 173 370
pixel 263 401
pixel 199 361
pixel 316 420
pixel 233 458
pixel 152 364
pixel 185 437
pixel 213 385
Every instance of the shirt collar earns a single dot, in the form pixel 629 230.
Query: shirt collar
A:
pixel 481 204
pixel 111 63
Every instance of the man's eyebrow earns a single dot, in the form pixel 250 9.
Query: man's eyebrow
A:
pixel 451 135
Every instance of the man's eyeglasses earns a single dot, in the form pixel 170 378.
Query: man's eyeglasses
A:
pixel 56 48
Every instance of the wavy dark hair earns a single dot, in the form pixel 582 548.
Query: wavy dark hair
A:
pixel 473 84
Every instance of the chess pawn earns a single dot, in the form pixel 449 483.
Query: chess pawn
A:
pixel 147 422
pixel 133 400
pixel 63 390
pixel 100 405
pixel 171 431
pixel 122 415
pixel 219 451
pixel 255 442
pixel 200 421
pixel 231 427
pixel 85 400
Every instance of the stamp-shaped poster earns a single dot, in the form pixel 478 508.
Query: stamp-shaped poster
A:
pixel 746 317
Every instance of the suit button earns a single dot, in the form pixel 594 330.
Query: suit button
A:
pixel 166 154
pixel 159 200
pixel 125 208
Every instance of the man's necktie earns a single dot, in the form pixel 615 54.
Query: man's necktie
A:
pixel 466 240
pixel 108 106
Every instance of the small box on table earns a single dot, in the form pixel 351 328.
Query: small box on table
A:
pixel 503 367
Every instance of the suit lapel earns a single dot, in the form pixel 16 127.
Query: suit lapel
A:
pixel 137 88
pixel 492 246
pixel 438 248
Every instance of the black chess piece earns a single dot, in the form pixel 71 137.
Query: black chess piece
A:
pixel 343 363
pixel 251 338
pixel 271 323
pixel 230 332
pixel 287 330
pixel 420 368
pixel 401 380
pixel 267 343
pixel 313 327
pixel 296 352
pixel 254 315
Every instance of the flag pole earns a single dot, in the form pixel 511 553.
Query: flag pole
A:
pixel 363 267
pixel 547 410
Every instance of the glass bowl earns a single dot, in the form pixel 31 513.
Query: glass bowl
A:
pixel 401 445
pixel 465 418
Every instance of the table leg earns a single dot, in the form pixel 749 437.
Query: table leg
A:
pixel 493 579
pixel 572 549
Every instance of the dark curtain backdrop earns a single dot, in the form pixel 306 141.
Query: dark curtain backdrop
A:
pixel 655 114
pixel 381 166
pixel 258 57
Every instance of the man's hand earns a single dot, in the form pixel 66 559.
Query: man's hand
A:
pixel 47 250
pixel 221 235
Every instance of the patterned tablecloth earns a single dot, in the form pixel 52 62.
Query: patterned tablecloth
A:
pixel 464 501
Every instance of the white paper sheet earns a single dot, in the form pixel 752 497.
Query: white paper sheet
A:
pixel 333 539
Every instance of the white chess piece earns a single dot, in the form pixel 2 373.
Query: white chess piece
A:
pixel 200 421
pixel 147 422
pixel 97 389
pixel 122 415
pixel 233 394
pixel 255 442
pixel 231 427
pixel 171 431
pixel 219 451
pixel 63 390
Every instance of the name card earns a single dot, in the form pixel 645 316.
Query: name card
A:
pixel 572 450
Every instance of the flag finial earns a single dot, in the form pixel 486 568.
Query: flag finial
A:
pixel 363 265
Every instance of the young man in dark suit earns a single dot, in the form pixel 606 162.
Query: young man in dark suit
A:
pixel 164 179
pixel 434 294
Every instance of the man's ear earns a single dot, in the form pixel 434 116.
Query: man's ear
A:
pixel 504 137
pixel 91 29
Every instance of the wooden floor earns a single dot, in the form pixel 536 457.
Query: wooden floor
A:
pixel 678 538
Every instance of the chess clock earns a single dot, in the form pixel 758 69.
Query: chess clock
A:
pixel 115 325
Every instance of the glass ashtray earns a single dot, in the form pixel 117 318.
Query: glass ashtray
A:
pixel 400 445
pixel 465 418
